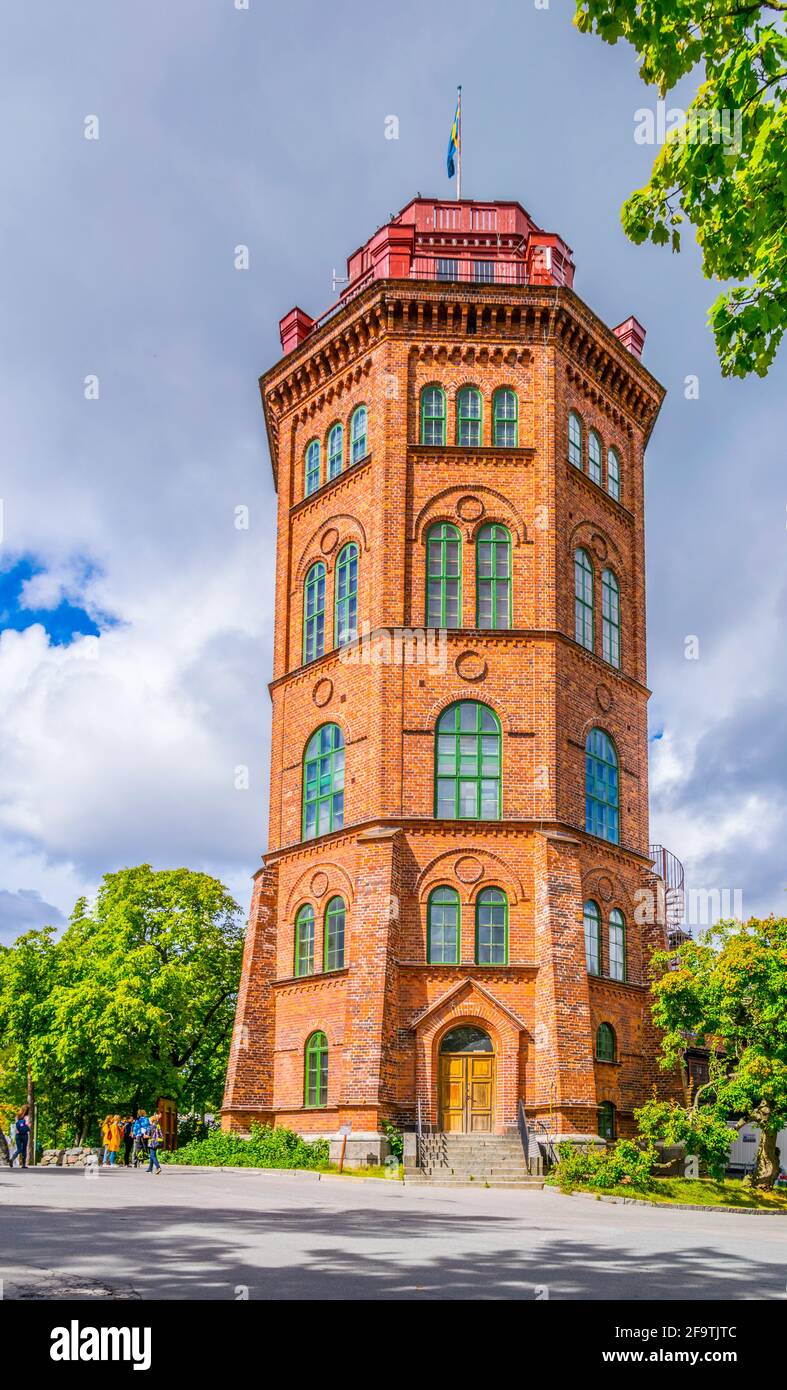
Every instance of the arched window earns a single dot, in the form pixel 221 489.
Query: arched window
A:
pixel 601 786
pixel 605 1043
pixel 467 781
pixel 346 595
pixel 323 782
pixel 617 945
pixel 592 921
pixel 594 457
pixel 491 927
pixel 606 1120
pixel 443 576
pixel 359 447
pixel 466 1038
pixel 574 439
pixel 335 450
pixel 304 941
pixel 493 577
pixel 315 1088
pixel 443 927
pixel 505 418
pixel 433 415
pixel 333 944
pixel 312 466
pixel 610 618
pixel 583 599
pixel 468 417
pixel 613 474
pixel 314 612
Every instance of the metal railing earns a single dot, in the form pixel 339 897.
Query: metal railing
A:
pixel 534 1130
pixel 466 270
pixel 669 869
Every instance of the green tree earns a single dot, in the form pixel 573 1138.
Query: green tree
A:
pixel 732 190
pixel 728 991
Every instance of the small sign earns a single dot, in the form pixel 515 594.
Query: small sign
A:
pixel 344 1130
pixel 749 1138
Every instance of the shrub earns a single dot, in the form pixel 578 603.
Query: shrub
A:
pixel 395 1139
pixel 702 1132
pixel 626 1164
pixel 268 1147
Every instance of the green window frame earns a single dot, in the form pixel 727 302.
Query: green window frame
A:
pixel 491 927
pixel 346 595
pixel 591 918
pixel 613 474
pixel 606 1050
pixel 333 942
pixel 304 941
pixel 610 618
pixel 433 415
pixel 323 782
pixel 575 439
pixel 315 1072
pixel 595 455
pixel 312 467
pixel 443 576
pixel 505 418
pixel 583 599
pixel 443 926
pixel 606 1120
pixel 469 417
pixel 617 945
pixel 359 436
pixel 493 577
pixel 468 763
pixel 335 450
pixel 314 612
pixel 602 810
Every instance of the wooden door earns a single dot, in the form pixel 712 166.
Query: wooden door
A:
pixel 480 1084
pixel 453 1089
pixel 467 1092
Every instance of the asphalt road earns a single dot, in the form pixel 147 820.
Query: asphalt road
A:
pixel 227 1235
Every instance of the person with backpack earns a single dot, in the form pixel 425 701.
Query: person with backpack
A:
pixel 22 1135
pixel 128 1139
pixel 155 1142
pixel 140 1132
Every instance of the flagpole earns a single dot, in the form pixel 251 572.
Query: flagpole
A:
pixel 459 150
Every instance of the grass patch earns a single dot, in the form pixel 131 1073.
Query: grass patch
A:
pixel 375 1170
pixel 708 1192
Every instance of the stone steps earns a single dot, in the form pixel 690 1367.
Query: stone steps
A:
pixel 467 1160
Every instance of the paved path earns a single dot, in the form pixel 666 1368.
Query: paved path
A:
pixel 224 1235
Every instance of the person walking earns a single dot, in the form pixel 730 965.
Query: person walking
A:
pixel 128 1140
pixel 155 1141
pixel 141 1130
pixel 106 1134
pixel 22 1135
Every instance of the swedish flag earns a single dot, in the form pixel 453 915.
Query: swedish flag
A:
pixel 454 139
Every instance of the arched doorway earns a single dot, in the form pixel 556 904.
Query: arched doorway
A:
pixel 467 1081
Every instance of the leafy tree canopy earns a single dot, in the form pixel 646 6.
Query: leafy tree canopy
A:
pixel 732 190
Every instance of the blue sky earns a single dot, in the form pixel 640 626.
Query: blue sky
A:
pixel 120 738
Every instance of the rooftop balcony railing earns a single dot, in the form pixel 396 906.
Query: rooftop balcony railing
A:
pixel 669 869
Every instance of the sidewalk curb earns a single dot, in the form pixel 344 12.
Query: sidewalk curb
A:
pixel 307 1174
pixel 665 1206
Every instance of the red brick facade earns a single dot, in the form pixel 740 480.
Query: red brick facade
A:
pixel 385 1011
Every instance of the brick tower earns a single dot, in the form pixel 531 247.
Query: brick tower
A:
pixel 456 907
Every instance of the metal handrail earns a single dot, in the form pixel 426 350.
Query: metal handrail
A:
pixel 521 1124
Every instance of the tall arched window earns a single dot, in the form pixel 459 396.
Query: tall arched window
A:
pixel 323 782
pixel 468 417
pixel 493 577
pixel 443 576
pixel 606 1120
pixel 605 1043
pixel 583 599
pixel 443 926
pixel 335 450
pixel 433 415
pixel 574 439
pixel 610 618
pixel 613 474
pixel 314 612
pixel 359 444
pixel 594 457
pixel 505 418
pixel 333 944
pixel 617 945
pixel 592 921
pixel 304 941
pixel 467 771
pixel 346 595
pixel 491 927
pixel 312 466
pixel 601 787
pixel 315 1078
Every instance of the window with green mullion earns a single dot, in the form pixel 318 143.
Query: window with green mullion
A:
pixel 468 763
pixel 442 930
pixel 304 941
pixel 432 415
pixel 444 576
pixel 491 927
pixel 333 949
pixel 316 1072
pixel 493 577
pixel 505 419
pixel 469 422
